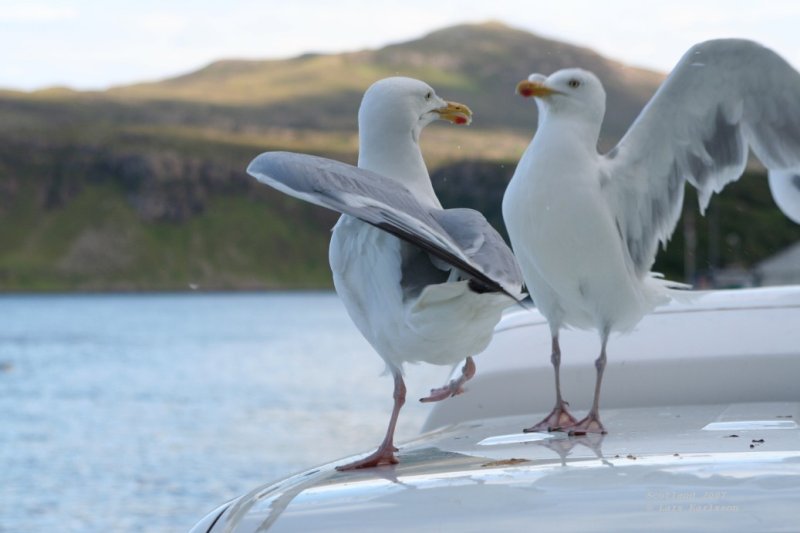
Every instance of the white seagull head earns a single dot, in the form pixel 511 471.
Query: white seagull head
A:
pixel 406 105
pixel 570 93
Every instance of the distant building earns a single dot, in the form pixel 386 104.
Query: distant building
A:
pixel 782 268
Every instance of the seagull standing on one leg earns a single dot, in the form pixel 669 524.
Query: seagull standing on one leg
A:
pixel 421 283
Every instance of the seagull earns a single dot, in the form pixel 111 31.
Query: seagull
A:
pixel 585 227
pixel 421 283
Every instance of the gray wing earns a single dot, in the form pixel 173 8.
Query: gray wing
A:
pixel 482 244
pixel 375 199
pixel 722 97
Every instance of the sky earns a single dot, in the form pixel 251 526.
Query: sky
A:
pixel 94 44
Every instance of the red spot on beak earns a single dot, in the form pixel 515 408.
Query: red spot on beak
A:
pixel 460 120
pixel 527 92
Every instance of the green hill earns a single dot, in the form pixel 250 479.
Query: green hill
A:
pixel 143 186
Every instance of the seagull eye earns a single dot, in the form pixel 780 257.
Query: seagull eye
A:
pixel 574 83
pixel 428 95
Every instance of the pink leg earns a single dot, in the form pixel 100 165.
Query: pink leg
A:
pixel 559 417
pixel 384 455
pixel 455 387
pixel 591 423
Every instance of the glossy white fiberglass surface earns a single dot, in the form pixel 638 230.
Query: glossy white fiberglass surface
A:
pixel 724 457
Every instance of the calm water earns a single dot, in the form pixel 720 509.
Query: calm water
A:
pixel 134 413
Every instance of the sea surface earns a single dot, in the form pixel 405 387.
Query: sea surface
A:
pixel 144 412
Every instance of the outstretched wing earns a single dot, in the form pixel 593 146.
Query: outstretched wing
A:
pixel 379 201
pixel 722 97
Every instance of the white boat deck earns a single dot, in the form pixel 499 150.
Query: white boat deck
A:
pixel 702 405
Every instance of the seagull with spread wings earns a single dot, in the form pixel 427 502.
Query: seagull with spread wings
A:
pixel 421 283
pixel 585 227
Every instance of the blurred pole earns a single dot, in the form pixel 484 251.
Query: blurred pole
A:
pixel 689 247
pixel 713 244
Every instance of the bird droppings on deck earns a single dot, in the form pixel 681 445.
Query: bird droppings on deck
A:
pixel 505 462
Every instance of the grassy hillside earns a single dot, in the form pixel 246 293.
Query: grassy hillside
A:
pixel 143 186
pixel 122 221
pixel 479 64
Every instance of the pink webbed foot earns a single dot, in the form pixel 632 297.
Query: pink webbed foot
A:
pixel 590 424
pixel 558 419
pixel 383 456
pixel 455 387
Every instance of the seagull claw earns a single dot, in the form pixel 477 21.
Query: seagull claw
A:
pixel 455 387
pixel 442 393
pixel 558 420
pixel 590 424
pixel 383 456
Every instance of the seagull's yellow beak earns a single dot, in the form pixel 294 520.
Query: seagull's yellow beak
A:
pixel 455 113
pixel 528 88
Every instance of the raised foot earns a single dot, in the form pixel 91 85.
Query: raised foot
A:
pixel 455 387
pixel 558 419
pixel 590 424
pixel 381 457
